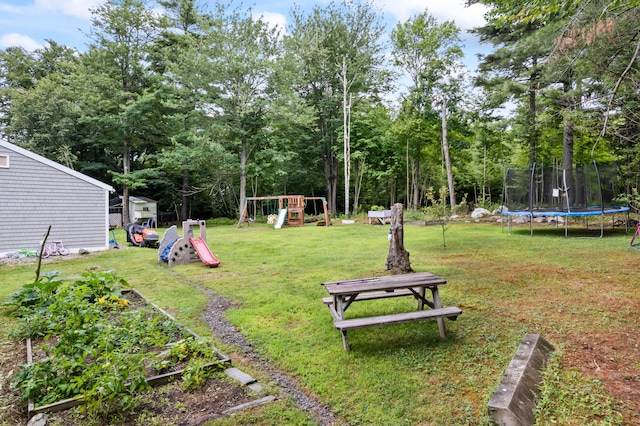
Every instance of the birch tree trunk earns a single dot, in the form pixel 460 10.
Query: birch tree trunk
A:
pixel 346 129
pixel 361 166
pixel 244 155
pixel 184 208
pixel 447 159
pixel 398 257
pixel 126 169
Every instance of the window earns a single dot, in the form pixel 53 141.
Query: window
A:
pixel 4 161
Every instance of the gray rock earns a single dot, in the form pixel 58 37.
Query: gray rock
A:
pixel 521 219
pixel 500 209
pixel 479 213
pixel 38 420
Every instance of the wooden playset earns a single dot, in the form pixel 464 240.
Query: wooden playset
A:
pixel 290 209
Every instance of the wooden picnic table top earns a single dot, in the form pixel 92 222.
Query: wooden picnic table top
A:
pixel 384 283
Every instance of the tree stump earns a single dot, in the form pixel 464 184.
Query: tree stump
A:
pixel 398 257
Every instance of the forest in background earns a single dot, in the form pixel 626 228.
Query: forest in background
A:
pixel 199 109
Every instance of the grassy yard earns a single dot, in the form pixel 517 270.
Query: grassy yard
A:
pixel 581 294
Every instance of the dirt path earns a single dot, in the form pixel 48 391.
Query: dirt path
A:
pixel 227 334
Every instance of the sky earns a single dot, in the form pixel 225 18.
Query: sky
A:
pixel 29 23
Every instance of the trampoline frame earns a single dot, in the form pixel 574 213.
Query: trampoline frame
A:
pixel 593 211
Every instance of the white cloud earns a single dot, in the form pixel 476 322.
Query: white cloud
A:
pixel 272 19
pixel 15 39
pixel 76 8
pixel 450 10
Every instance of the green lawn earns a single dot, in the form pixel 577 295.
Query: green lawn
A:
pixel 575 292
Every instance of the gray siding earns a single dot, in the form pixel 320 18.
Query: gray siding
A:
pixel 34 195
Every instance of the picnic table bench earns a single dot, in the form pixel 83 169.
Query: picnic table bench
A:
pixel 344 293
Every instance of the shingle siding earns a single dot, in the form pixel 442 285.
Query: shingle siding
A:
pixel 34 195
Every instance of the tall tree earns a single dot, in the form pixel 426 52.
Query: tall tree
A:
pixel 514 69
pixel 122 33
pixel 429 53
pixel 320 40
pixel 171 58
pixel 586 52
pixel 37 108
pixel 240 57
pixel 347 100
pixel 372 149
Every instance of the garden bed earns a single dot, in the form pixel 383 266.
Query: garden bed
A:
pixel 135 300
pixel 94 342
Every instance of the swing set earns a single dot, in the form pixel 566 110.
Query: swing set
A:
pixel 288 208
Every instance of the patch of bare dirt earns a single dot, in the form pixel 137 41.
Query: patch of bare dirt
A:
pixel 170 405
pixel 12 412
pixel 612 358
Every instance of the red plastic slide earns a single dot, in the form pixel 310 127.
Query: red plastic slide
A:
pixel 204 253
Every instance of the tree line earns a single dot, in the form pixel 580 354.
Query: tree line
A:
pixel 201 108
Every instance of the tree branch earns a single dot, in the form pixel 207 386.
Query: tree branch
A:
pixel 617 86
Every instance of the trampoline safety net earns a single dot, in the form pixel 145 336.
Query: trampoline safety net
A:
pixel 552 189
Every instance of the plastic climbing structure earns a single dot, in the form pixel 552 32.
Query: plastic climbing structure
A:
pixel 176 250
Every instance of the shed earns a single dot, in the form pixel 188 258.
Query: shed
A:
pixel 36 192
pixel 141 210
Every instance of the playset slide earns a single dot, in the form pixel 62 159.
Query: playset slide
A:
pixel 282 214
pixel 201 247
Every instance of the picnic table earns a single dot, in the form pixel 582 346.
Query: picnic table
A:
pixel 379 215
pixel 344 293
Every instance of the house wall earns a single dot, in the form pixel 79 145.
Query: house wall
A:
pixel 34 195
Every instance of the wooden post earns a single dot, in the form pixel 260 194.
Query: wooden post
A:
pixel 398 257
pixel 44 241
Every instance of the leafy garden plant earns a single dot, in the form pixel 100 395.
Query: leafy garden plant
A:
pixel 99 343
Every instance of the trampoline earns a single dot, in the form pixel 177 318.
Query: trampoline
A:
pixel 553 193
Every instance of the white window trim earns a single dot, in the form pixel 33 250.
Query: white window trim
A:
pixel 6 163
